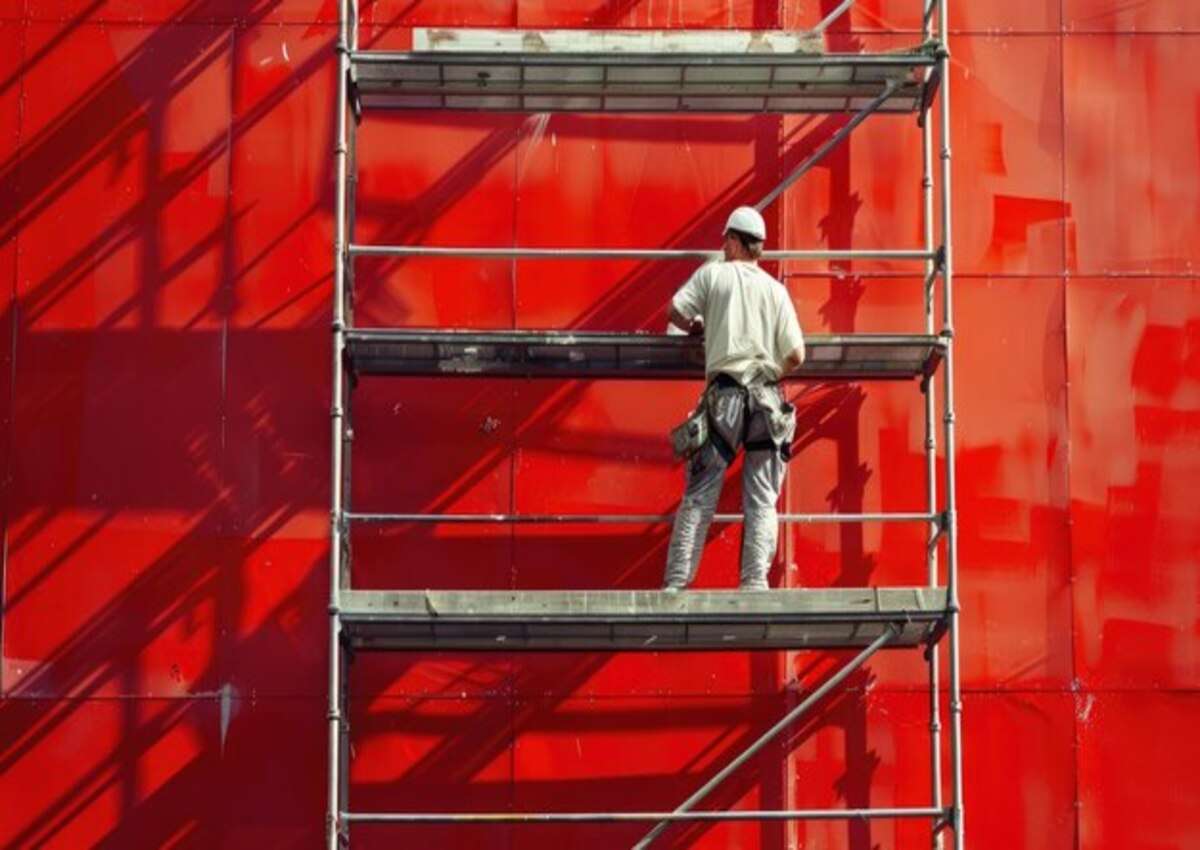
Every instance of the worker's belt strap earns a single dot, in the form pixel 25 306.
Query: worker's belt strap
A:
pixel 726 451
pixel 723 444
pixel 726 382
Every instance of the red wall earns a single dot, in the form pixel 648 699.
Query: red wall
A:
pixel 166 189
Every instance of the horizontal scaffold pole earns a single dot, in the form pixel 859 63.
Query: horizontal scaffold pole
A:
pixel 602 817
pixel 482 253
pixel 617 519
pixel 900 61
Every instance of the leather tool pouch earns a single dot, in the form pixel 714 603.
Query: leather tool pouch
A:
pixel 689 437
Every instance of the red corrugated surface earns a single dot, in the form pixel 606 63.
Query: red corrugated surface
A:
pixel 166 193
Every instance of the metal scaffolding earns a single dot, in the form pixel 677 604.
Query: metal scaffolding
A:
pixel 649 72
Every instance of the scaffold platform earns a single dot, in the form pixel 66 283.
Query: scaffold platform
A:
pixel 664 71
pixel 565 354
pixel 825 618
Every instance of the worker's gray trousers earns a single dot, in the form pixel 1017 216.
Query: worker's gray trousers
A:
pixel 762 480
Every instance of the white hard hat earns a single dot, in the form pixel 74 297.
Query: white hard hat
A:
pixel 747 220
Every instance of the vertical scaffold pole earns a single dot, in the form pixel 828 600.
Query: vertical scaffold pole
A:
pixel 931 490
pixel 333 825
pixel 951 519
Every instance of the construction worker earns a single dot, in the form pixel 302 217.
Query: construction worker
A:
pixel 751 339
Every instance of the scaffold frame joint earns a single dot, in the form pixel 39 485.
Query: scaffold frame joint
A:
pixel 946 821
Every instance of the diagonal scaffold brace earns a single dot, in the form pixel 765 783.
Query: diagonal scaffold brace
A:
pixel 892 630
pixel 832 142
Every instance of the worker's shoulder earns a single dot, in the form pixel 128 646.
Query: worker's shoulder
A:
pixel 777 289
pixel 711 270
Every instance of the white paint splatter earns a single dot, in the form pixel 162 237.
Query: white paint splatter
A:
pixel 1084 707
pixel 226 712
pixel 536 125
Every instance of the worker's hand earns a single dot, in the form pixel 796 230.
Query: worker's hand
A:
pixel 696 326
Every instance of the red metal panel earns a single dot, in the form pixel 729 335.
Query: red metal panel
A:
pixel 96 747
pixel 432 755
pixel 1118 16
pixel 863 749
pixel 1129 142
pixel 11 58
pixel 657 674
pixel 857 452
pixel 273 591
pixel 156 13
pixel 100 605
pixel 1134 427
pixel 1013 477
pixel 865 193
pixel 1007 128
pixel 435 675
pixel 858 759
pixel 905 15
pixel 158 773
pixel 12 36
pixel 586 450
pixel 124 176
pixel 628 181
pixel 281 132
pixel 430 446
pixel 623 754
pixel 1137 782
pixel 387 25
pixel 276 307
pixel 1020 770
pixel 173 12
pixel 632 14
pixel 122 190
pixel 263 794
pixel 1009 212
pixel 866 15
pixel 383 15
pixel 431 179
pixel 150 12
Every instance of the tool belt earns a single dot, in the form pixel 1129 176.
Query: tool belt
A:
pixel 714 420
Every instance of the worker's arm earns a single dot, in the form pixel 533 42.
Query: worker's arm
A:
pixel 687 307
pixel 789 339
pixel 693 326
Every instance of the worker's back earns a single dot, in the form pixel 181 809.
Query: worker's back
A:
pixel 750 325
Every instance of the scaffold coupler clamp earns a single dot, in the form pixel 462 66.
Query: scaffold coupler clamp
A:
pixel 356 107
pixel 936 48
pixel 946 821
